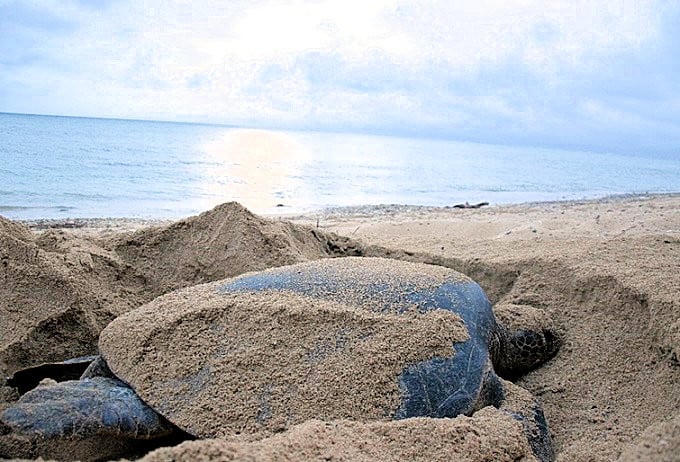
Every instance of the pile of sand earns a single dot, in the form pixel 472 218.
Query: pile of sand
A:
pixel 58 289
pixel 57 292
pixel 659 442
pixel 489 435
pixel 221 243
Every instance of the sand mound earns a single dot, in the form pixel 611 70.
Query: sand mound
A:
pixel 59 289
pixel 280 358
pixel 464 439
pixel 57 292
pixel 223 242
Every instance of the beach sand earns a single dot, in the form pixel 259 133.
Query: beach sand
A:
pixel 607 271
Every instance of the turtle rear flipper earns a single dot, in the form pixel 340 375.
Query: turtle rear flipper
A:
pixel 521 406
pixel 91 419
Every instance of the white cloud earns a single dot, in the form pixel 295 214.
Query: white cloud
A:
pixel 181 38
pixel 438 64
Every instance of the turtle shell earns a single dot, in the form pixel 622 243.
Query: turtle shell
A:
pixel 351 338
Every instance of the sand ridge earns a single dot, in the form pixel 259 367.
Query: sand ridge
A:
pixel 489 435
pixel 465 439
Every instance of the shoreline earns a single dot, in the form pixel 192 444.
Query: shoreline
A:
pixel 399 209
pixel 125 224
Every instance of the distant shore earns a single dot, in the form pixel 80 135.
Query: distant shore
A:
pixel 123 224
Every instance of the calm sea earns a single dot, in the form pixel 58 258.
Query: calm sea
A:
pixel 57 167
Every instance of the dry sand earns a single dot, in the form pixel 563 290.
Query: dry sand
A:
pixel 608 271
pixel 461 439
pixel 60 287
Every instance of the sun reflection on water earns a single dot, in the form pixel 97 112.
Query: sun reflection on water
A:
pixel 258 168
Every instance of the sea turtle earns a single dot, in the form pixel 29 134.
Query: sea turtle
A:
pixel 348 338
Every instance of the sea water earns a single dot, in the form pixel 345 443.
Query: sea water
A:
pixel 58 167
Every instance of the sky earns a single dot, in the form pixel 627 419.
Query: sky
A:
pixel 596 75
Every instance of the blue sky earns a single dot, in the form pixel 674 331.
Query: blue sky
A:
pixel 600 75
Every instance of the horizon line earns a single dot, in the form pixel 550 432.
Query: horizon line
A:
pixel 437 136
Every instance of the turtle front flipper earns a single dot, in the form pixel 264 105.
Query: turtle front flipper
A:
pixel 28 378
pixel 523 407
pixel 89 419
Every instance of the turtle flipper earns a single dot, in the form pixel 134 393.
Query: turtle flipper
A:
pixel 523 407
pixel 28 378
pixel 71 416
pixel 97 368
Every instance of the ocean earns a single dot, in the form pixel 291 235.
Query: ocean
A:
pixel 59 167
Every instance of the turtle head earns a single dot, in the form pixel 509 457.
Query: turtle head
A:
pixel 526 339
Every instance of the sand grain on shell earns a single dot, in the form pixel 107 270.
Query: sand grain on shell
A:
pixel 376 284
pixel 278 358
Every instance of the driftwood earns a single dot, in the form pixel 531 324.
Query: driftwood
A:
pixel 467 205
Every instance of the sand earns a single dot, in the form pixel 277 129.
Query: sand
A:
pixel 605 270
pixel 57 292
pixel 61 287
pixel 608 273
pixel 226 241
pixel 462 439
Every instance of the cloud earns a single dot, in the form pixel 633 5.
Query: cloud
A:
pixel 576 73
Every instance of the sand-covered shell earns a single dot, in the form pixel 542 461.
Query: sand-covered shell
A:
pixel 331 339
